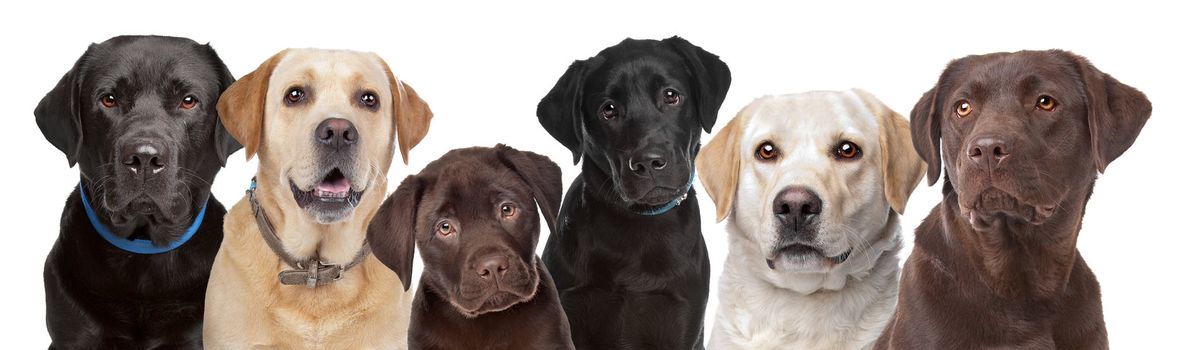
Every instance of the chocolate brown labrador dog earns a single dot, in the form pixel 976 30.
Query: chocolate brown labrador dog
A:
pixel 995 264
pixel 473 213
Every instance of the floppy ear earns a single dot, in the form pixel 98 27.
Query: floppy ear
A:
pixel 719 163
pixel 391 232
pixel 243 105
pixel 711 79
pixel 900 163
pixel 542 176
pixel 560 112
pixel 59 114
pixel 927 132
pixel 411 115
pixel 1117 112
pixel 222 140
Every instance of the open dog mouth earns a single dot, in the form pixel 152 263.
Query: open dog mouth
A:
pixel 801 254
pixel 333 189
pixel 992 204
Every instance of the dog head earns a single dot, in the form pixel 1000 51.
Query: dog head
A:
pixel 473 216
pixel 323 123
pixel 137 113
pixel 1023 131
pixel 635 111
pixel 812 178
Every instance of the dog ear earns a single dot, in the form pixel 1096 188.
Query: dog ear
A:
pixel 59 114
pixel 927 131
pixel 542 176
pixel 560 112
pixel 391 232
pixel 719 163
pixel 900 163
pixel 222 140
pixel 411 114
pixel 243 105
pixel 711 79
pixel 1117 112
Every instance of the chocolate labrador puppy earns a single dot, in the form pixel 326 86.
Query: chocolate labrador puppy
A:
pixel 628 257
pixel 995 264
pixel 473 216
pixel 139 232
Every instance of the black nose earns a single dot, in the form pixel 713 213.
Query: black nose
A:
pixel 988 152
pixel 145 158
pixel 336 133
pixel 494 266
pixel 797 206
pixel 646 161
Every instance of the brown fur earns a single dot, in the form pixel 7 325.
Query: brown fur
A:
pixel 995 264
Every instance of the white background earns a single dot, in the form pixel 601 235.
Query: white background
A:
pixel 483 67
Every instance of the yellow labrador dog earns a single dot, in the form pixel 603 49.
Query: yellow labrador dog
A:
pixel 294 271
pixel 814 183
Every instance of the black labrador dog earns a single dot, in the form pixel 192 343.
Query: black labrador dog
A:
pixel 471 213
pixel 628 257
pixel 139 233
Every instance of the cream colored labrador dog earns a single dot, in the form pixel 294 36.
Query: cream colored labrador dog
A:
pixel 815 183
pixel 322 123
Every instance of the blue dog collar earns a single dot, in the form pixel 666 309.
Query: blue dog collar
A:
pixel 138 246
pixel 672 204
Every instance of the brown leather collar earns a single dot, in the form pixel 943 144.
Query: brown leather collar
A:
pixel 311 272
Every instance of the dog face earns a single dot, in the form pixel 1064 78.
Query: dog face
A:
pixel 472 215
pixel 811 178
pixel 636 111
pixel 323 123
pixel 1022 131
pixel 137 113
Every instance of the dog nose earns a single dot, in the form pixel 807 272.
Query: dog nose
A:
pixel 144 156
pixel 646 161
pixel 988 152
pixel 797 206
pixel 336 133
pixel 493 267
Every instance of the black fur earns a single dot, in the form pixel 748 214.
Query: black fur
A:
pixel 97 295
pixel 627 280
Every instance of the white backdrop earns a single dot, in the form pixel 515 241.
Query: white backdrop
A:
pixel 484 66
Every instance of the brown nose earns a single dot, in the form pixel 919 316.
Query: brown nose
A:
pixel 988 152
pixel 336 133
pixel 797 207
pixel 493 267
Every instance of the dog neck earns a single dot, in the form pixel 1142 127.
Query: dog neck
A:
pixel 877 259
pixel 600 186
pixel 1017 258
pixel 303 238
pixel 154 245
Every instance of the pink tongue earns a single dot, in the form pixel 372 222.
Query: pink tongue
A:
pixel 338 185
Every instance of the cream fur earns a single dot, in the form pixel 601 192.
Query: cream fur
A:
pixel 246 307
pixel 815 305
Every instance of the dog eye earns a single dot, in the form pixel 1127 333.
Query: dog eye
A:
pixel 608 111
pixel 767 151
pixel 368 99
pixel 188 102
pixel 295 95
pixel 963 108
pixel 1046 103
pixel 507 210
pixel 445 228
pixel 108 101
pixel 671 97
pixel 848 150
